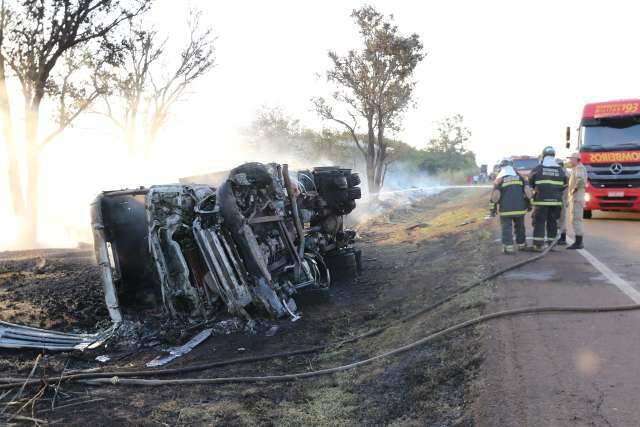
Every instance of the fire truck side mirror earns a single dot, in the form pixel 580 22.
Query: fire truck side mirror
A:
pixel 568 137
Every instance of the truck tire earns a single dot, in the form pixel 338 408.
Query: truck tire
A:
pixel 587 214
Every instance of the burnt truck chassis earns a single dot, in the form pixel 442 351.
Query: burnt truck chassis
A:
pixel 248 245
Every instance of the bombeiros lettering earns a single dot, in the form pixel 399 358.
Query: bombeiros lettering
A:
pixel 613 156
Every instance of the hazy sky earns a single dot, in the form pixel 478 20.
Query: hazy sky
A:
pixel 518 71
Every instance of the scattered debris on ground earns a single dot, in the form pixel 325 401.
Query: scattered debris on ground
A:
pixel 402 271
pixel 418 225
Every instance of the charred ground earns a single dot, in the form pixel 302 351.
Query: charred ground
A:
pixel 414 253
pixel 56 289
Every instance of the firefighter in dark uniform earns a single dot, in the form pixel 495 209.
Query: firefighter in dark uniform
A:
pixel 548 181
pixel 510 198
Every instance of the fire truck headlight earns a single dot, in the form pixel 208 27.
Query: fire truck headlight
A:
pixel 587 197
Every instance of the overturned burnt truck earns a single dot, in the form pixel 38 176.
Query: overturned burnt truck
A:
pixel 248 245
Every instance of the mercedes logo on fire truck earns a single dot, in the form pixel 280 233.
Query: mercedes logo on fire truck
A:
pixel 616 168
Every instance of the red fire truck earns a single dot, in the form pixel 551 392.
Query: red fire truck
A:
pixel 609 144
pixel 524 164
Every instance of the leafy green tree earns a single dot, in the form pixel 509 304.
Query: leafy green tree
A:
pixel 447 149
pixel 451 136
pixel 374 85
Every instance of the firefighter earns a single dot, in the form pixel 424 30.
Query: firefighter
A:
pixel 510 198
pixel 548 181
pixel 562 222
pixel 576 190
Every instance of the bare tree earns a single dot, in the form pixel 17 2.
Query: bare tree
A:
pixel 35 36
pixel 128 80
pixel 72 95
pixel 374 84
pixel 144 92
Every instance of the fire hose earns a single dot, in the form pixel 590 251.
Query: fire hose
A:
pixel 124 377
pixel 290 377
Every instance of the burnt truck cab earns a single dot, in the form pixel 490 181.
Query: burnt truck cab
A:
pixel 609 146
pixel 248 244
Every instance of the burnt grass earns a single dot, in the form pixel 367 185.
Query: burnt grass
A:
pixel 62 288
pixel 405 267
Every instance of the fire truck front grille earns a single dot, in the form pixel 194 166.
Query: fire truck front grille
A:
pixel 607 202
pixel 623 172
pixel 616 199
pixel 614 183
pixel 606 206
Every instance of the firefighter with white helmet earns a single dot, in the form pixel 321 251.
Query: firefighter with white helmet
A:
pixel 576 192
pixel 510 198
pixel 548 181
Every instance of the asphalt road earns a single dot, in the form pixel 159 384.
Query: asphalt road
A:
pixel 567 369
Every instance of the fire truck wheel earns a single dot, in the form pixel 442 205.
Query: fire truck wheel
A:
pixel 587 214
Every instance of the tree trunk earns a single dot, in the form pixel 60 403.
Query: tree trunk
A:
pixel 12 157
pixel 33 169
pixel 371 159
pixel 130 137
pixel 151 136
pixel 379 177
pixel 380 158
pixel 15 182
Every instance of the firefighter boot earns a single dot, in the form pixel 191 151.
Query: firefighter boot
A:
pixel 577 244
pixel 538 247
pixel 523 247
pixel 508 249
pixel 562 241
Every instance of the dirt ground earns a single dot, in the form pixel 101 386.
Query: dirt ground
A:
pixel 58 289
pixel 414 254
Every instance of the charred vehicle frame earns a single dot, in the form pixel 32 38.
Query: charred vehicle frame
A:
pixel 248 245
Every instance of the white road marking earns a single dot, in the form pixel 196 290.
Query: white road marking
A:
pixel 624 286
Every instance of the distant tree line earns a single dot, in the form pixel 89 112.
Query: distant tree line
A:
pixel 372 89
pixel 273 130
pixel 447 150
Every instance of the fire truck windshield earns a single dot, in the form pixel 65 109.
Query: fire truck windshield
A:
pixel 601 135
pixel 524 164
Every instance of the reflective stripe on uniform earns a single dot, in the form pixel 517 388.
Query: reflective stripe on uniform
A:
pixel 550 182
pixel 513 213
pixel 505 184
pixel 538 238
pixel 536 203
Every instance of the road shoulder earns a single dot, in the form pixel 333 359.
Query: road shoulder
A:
pixel 558 369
